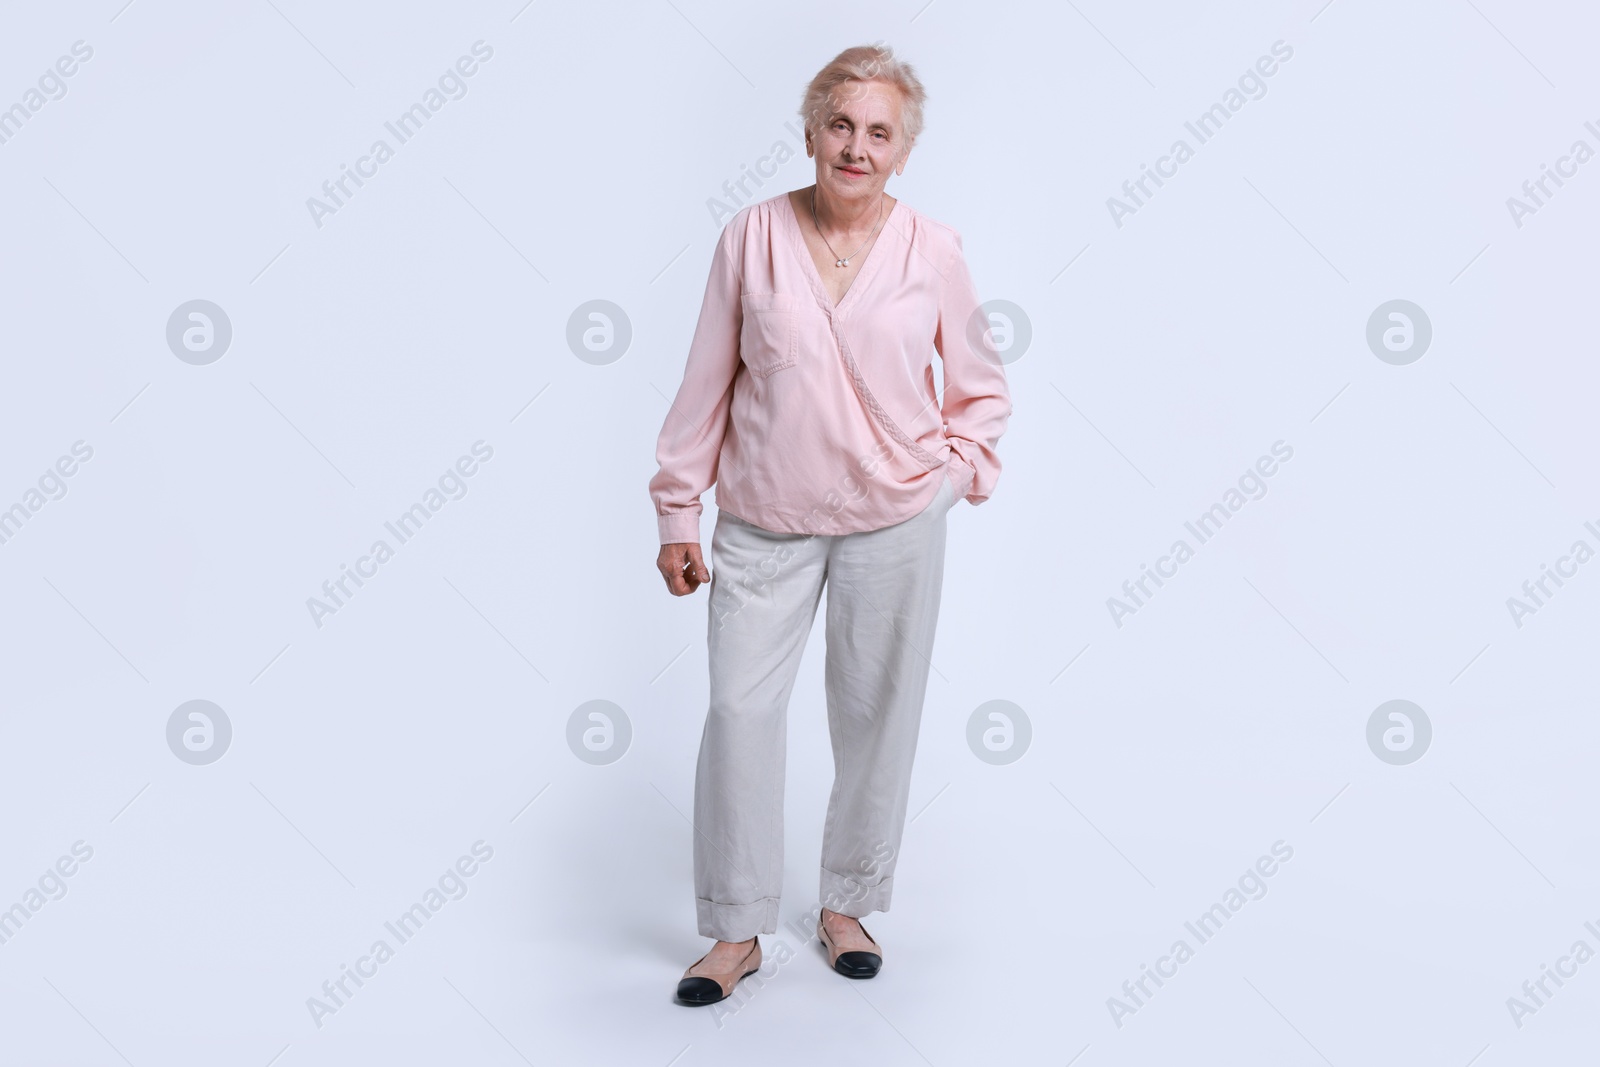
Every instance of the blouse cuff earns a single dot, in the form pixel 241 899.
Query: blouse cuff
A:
pixel 680 527
pixel 960 473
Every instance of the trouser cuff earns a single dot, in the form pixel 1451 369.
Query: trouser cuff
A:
pixel 847 896
pixel 736 922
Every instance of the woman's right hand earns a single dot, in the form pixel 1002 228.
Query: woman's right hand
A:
pixel 680 564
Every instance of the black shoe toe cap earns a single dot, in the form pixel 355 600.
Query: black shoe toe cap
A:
pixel 858 964
pixel 699 991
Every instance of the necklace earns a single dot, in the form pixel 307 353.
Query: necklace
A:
pixel 844 261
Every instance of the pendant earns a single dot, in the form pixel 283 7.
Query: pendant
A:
pixel 841 263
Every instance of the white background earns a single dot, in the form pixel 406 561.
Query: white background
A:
pixel 1168 354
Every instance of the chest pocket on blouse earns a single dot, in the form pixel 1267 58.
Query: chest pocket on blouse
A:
pixel 769 340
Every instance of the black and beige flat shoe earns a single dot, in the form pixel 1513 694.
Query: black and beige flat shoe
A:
pixel 702 985
pixel 852 963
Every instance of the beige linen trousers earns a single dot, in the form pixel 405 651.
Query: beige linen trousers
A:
pixel 883 606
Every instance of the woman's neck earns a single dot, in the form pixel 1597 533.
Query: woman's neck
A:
pixel 848 217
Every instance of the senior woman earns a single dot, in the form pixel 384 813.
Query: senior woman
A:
pixel 808 398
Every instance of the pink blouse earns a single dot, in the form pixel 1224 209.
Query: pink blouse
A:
pixel 822 419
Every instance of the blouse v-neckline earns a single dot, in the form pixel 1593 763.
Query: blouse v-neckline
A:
pixel 863 276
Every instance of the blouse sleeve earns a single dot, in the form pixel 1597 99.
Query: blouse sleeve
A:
pixel 690 443
pixel 977 401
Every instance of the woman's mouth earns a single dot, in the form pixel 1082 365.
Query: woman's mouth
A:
pixel 852 172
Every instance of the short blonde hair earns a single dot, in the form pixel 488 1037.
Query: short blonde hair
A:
pixel 864 63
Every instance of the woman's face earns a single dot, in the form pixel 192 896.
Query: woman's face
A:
pixel 860 143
